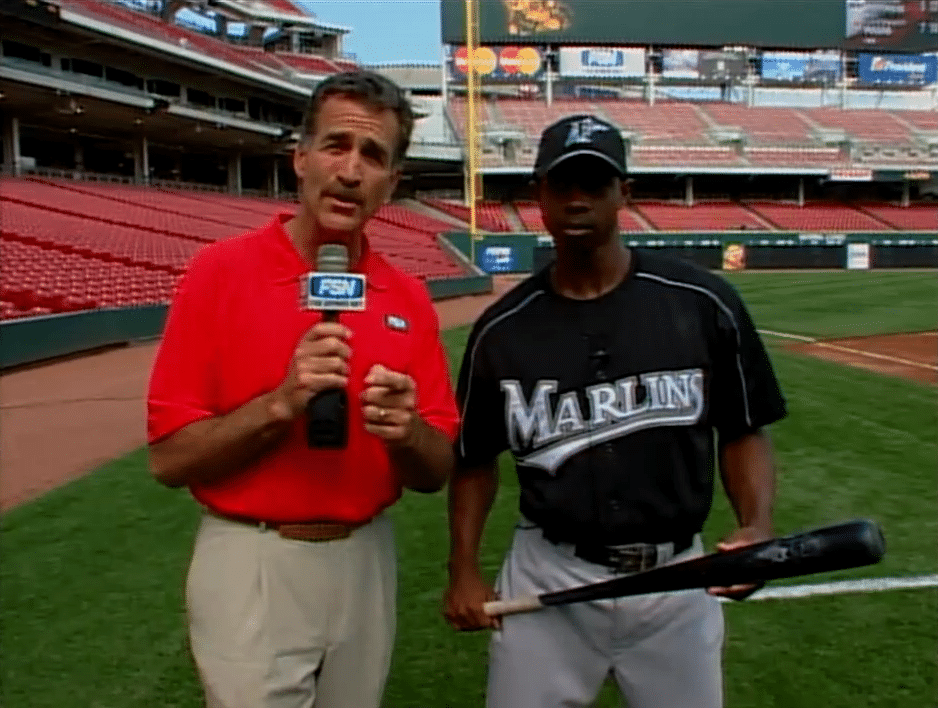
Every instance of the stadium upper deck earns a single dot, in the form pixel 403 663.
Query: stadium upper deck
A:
pixel 724 137
pixel 154 99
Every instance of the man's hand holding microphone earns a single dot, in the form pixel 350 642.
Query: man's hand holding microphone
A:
pixel 317 380
pixel 320 363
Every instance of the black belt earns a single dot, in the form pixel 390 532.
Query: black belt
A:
pixel 630 557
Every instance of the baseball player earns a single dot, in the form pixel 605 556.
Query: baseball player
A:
pixel 616 378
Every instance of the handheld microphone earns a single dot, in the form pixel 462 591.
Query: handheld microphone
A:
pixel 327 411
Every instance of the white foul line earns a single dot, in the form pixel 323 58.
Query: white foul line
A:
pixel 850 350
pixel 787 592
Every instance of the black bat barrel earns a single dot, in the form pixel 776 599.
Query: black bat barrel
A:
pixel 849 545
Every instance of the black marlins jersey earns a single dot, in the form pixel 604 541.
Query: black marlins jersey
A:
pixel 610 406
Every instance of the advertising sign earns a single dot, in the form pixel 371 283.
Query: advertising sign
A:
pixel 702 64
pixel 680 63
pixel 497 259
pixel 905 69
pixel 734 257
pixel 602 61
pixel 722 66
pixel 334 291
pixel 891 24
pixel 851 175
pixel 498 63
pixel 858 256
pixel 806 67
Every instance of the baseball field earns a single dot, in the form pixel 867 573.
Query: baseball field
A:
pixel 91 574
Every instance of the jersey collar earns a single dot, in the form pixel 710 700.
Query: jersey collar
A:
pixel 290 265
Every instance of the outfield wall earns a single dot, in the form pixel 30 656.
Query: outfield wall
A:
pixel 726 250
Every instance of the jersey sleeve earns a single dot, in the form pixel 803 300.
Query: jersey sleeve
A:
pixel 745 390
pixel 482 436
pixel 181 381
pixel 436 403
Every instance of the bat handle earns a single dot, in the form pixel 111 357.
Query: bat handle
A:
pixel 525 603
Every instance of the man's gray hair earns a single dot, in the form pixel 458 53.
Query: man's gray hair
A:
pixel 373 90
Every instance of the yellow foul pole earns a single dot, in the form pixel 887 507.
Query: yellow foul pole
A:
pixel 472 126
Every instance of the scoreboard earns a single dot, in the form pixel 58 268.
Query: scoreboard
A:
pixel 873 25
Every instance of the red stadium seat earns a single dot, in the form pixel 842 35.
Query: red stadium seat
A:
pixel 817 216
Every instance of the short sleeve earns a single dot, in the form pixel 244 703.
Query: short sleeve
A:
pixel 745 390
pixel 181 387
pixel 435 401
pixel 482 436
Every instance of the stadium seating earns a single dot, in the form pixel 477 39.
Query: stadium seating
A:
pixel 673 133
pixel 795 156
pixel 490 216
pixel 55 281
pixel 677 155
pixel 402 216
pixel 219 207
pixel 284 6
pixel 818 216
pixel 307 63
pixel 921 120
pixel 93 206
pixel 664 123
pixel 154 28
pixel 457 111
pixel 915 218
pixel 703 216
pixel 421 257
pixel 876 126
pixel 629 221
pixel 762 126
pixel 533 116
pixel 91 237
pixel 267 59
pixel 70 246
pixel 530 215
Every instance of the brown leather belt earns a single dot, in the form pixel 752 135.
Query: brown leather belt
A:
pixel 312 531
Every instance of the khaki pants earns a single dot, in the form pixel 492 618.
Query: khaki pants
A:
pixel 278 623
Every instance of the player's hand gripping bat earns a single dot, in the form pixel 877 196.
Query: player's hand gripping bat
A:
pixel 847 545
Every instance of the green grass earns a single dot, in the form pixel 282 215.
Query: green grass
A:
pixel 92 574
pixel 841 303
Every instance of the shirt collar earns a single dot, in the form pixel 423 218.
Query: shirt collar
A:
pixel 290 265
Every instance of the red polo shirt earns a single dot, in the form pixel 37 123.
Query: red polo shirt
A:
pixel 229 336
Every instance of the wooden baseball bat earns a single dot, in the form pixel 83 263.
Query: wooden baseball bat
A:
pixel 848 545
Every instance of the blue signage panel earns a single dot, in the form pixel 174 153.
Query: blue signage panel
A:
pixel 801 66
pixel 497 259
pixel 335 291
pixel 907 69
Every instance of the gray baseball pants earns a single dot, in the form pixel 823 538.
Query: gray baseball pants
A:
pixel 663 650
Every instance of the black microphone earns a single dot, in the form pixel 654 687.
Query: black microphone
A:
pixel 598 353
pixel 327 411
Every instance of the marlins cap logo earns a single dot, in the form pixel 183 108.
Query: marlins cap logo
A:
pixel 582 131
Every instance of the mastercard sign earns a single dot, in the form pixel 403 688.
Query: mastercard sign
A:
pixel 498 63
pixel 485 61
pixel 525 61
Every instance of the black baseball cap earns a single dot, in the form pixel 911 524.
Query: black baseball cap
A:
pixel 575 135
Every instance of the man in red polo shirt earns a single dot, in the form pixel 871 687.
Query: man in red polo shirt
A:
pixel 291 588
